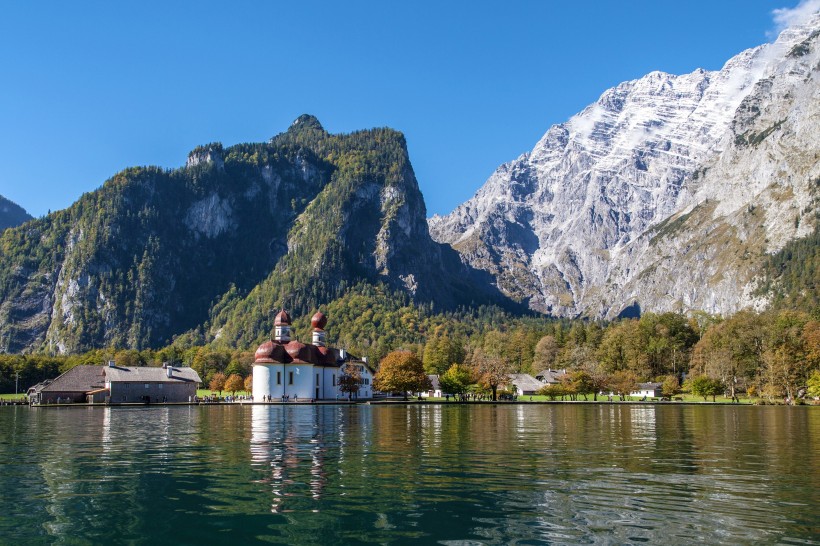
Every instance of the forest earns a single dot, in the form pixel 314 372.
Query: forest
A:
pixel 773 354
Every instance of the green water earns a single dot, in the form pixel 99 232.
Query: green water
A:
pixel 426 474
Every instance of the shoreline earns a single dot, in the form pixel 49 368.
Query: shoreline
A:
pixel 407 403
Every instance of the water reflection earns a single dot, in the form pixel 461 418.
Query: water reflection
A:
pixel 290 441
pixel 449 474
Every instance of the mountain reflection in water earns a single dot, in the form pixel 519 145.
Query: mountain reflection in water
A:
pixel 447 474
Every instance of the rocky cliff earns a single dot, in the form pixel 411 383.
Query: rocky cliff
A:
pixel 213 247
pixel 666 194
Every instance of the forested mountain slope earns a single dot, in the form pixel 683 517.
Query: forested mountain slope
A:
pixel 11 214
pixel 215 247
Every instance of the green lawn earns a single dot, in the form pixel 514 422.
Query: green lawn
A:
pixel 20 396
pixel 202 393
pixel 685 398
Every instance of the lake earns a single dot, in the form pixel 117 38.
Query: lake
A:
pixel 419 474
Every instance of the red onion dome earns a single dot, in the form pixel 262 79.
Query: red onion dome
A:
pixel 319 321
pixel 282 318
pixel 299 352
pixel 264 353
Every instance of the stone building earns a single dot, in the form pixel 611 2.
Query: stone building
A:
pixel 69 388
pixel 117 385
pixel 147 384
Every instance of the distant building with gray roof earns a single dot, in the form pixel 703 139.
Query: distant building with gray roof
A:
pixel 70 387
pixel 550 376
pixel 148 384
pixel 524 383
pixel 118 384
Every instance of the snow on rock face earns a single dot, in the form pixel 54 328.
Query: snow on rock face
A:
pixel 569 224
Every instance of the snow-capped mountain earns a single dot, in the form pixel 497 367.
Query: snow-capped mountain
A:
pixel 667 192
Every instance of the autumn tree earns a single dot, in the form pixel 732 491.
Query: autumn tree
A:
pixel 670 386
pixel 730 350
pixel 217 382
pixel 706 386
pixel 787 358
pixel 490 369
pixel 546 352
pixel 582 383
pixel 350 380
pixel 401 371
pixel 552 391
pixel 598 376
pixel 234 383
pixel 455 380
pixel 623 383
pixel 249 383
pixel 207 362
pixel 442 351
pixel 813 385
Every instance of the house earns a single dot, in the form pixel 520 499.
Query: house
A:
pixel 117 384
pixel 286 369
pixel 149 384
pixel 435 388
pixel 550 376
pixel 524 383
pixel 70 387
pixel 648 390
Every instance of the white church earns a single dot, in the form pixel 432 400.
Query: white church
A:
pixel 287 370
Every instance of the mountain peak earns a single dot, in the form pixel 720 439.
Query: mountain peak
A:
pixel 611 207
pixel 11 214
pixel 306 121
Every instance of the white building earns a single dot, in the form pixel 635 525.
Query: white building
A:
pixel 286 369
pixel 648 390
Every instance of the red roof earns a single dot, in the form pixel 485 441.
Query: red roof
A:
pixel 282 318
pixel 275 352
pixel 319 321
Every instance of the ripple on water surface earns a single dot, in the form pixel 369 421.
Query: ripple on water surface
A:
pixel 451 474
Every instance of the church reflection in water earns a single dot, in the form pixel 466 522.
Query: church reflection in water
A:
pixel 288 442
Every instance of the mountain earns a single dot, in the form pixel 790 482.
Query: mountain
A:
pixel 214 248
pixel 667 194
pixel 11 214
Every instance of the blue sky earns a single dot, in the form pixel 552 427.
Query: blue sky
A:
pixel 89 88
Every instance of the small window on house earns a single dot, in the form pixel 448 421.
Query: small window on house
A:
pixel 159 386
pixel 334 379
pixel 278 378
pixel 146 385
pixel 290 378
pixel 317 379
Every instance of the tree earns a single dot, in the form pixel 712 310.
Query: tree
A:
pixel 730 350
pixel 786 361
pixel 249 383
pixel 670 386
pixel 598 375
pixel 552 391
pixel 546 351
pixel 401 371
pixel 455 380
pixel 706 386
pixel 623 383
pixel 234 383
pixel 350 379
pixel 491 370
pixel 217 382
pixel 582 383
pixel 441 351
pixel 813 384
